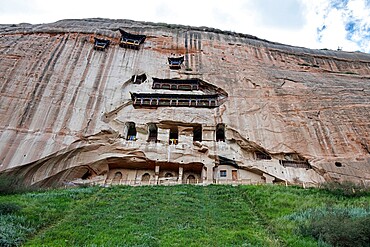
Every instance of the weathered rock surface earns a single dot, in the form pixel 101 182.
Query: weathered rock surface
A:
pixel 64 106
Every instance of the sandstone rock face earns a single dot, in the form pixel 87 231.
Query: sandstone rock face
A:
pixel 283 113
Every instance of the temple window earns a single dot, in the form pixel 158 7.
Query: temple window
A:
pixel 166 86
pixel 131 131
pixel 138 79
pixel 182 102
pixel 223 173
pixel 153 132
pixel 197 133
pixel 174 136
pixel 220 132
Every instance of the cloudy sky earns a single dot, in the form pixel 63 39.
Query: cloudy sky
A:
pixel 308 23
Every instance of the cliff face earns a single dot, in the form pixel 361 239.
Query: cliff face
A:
pixel 289 114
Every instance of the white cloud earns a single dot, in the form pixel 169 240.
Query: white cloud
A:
pixel 335 34
pixel 347 25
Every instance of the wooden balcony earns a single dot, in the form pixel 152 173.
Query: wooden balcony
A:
pixel 176 84
pixel 132 41
pixel 174 100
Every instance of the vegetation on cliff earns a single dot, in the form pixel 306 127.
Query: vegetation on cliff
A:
pixel 184 216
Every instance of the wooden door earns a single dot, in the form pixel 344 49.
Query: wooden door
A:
pixel 234 174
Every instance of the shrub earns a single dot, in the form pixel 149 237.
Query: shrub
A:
pixel 7 184
pixel 340 227
pixel 13 230
pixel 346 189
pixel 339 230
pixel 8 208
pixel 12 185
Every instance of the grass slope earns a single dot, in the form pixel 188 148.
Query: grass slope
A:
pixel 171 216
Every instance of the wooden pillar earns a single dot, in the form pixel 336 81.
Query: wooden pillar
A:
pixel 156 174
pixel 181 171
pixel 209 173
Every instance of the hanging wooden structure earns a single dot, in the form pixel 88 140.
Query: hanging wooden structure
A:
pixel 176 84
pixel 174 100
pixel 175 62
pixel 101 44
pixel 132 41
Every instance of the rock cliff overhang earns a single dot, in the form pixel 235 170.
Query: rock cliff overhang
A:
pixel 292 111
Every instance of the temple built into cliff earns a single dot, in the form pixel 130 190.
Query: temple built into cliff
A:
pixel 177 105
pixel 129 40
pixel 101 44
pixel 175 62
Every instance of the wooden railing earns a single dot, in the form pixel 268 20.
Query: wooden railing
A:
pixel 295 164
pixel 175 181
pixel 161 181
pixel 180 100
pixel 232 181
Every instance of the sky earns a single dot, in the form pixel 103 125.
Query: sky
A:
pixel 318 24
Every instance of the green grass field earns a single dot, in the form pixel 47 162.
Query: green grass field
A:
pixel 184 215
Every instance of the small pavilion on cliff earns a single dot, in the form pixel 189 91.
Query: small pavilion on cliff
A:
pixel 129 40
pixel 175 62
pixel 101 44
